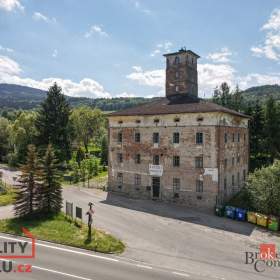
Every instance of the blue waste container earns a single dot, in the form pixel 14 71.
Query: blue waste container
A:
pixel 230 212
pixel 240 214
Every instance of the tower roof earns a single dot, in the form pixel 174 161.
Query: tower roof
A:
pixel 182 50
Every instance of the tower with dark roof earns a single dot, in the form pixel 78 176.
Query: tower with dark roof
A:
pixel 181 73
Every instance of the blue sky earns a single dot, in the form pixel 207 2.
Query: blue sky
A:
pixel 112 48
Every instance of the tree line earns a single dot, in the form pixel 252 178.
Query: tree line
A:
pixel 264 125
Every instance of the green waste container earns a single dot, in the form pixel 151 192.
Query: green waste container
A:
pixel 273 223
pixel 219 211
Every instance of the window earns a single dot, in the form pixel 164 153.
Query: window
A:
pixel 232 161
pixel 238 137
pixel 244 137
pixel 120 137
pixel 177 88
pixel 138 121
pixel 176 119
pixel 177 60
pixel 232 180
pixel 137 180
pixel 238 178
pixel 199 162
pixel 176 137
pixel 199 119
pixel 176 74
pixel 155 137
pixel 199 138
pixel 156 120
pixel 120 122
pixel 137 137
pixel 225 136
pixel 120 180
pixel 137 158
pixel 120 157
pixel 156 159
pixel 199 186
pixel 225 162
pixel 238 159
pixel 176 184
pixel 244 175
pixel 176 161
pixel 233 136
pixel 225 183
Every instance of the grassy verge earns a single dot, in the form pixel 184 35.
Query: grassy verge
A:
pixel 7 197
pixel 61 230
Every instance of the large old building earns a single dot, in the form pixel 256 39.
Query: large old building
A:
pixel 178 148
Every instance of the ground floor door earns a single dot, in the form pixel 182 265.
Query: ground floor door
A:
pixel 156 186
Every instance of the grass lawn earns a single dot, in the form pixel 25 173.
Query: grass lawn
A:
pixel 7 197
pixel 60 229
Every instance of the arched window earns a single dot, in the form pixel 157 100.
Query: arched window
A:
pixel 177 88
pixel 177 60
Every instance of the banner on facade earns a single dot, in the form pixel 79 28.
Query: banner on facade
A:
pixel 155 170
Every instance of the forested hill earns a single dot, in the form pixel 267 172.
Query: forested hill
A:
pixel 22 97
pixel 262 92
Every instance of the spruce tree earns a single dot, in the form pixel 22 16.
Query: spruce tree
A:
pixel 53 124
pixel 27 196
pixel 50 191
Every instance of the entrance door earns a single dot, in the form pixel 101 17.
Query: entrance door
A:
pixel 156 186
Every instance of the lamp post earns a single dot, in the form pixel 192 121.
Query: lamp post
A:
pixel 90 213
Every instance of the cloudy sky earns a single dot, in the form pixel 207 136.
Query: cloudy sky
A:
pixel 110 48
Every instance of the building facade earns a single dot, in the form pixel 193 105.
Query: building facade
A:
pixel 179 148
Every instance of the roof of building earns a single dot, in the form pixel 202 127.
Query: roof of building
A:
pixel 176 104
pixel 183 50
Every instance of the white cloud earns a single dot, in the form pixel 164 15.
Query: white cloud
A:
pixel 6 49
pixel 55 53
pixel 140 8
pixel 274 21
pixel 10 73
pixel 96 29
pixel 270 48
pixel 162 48
pixel 209 76
pixel 37 16
pixel 126 95
pixel 10 5
pixel 221 57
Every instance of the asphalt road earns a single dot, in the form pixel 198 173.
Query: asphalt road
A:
pixel 62 262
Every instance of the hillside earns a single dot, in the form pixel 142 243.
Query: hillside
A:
pixel 22 97
pixel 262 92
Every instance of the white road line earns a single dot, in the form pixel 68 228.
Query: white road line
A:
pixel 181 274
pixel 59 272
pixel 144 266
pixel 63 249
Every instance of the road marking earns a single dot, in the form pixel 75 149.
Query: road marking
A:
pixel 63 249
pixel 181 274
pixel 59 272
pixel 144 266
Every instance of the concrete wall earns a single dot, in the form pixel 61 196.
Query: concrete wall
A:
pixel 213 150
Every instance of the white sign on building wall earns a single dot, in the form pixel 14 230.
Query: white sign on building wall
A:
pixel 213 172
pixel 155 170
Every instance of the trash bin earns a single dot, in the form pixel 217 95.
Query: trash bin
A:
pixel 219 210
pixel 262 220
pixel 240 214
pixel 251 217
pixel 273 223
pixel 230 212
